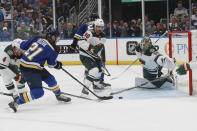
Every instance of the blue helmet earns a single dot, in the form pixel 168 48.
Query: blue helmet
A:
pixel 93 16
pixel 50 32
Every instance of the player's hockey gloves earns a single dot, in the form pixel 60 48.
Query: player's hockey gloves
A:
pixel 182 69
pixel 59 65
pixel 18 77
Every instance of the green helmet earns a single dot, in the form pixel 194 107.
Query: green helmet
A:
pixel 145 42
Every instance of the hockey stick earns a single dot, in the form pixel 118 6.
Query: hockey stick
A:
pixel 6 94
pixel 107 74
pixel 124 70
pixel 140 85
pixel 161 37
pixel 100 97
pixel 80 97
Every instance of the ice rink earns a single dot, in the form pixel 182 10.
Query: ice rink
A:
pixel 165 109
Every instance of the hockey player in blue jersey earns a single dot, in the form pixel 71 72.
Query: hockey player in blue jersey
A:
pixel 37 51
pixel 81 30
pixel 79 35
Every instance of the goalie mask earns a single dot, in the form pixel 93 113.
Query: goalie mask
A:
pixel 145 43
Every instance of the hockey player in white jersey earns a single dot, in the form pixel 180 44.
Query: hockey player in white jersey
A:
pixel 90 54
pixel 9 71
pixel 152 62
pixel 183 68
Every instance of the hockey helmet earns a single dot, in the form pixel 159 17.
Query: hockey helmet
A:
pixel 16 43
pixel 50 32
pixel 145 42
pixel 99 22
pixel 94 16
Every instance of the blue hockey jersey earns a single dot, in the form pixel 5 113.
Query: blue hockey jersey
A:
pixel 37 52
pixel 81 30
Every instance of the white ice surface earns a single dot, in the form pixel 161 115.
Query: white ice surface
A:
pixel 165 109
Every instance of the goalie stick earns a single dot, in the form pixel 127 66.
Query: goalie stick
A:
pixel 99 97
pixel 76 96
pixel 140 85
pixel 125 70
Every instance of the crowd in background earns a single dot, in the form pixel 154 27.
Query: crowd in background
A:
pixel 179 21
pixel 32 17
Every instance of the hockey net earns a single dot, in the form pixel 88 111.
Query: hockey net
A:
pixel 183 47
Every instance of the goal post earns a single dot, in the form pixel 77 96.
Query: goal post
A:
pixel 183 47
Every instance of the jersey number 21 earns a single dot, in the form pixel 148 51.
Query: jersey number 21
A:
pixel 34 49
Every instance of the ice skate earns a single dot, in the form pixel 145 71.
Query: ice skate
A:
pixel 63 98
pixel 13 105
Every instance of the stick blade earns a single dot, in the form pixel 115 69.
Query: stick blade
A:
pixel 106 97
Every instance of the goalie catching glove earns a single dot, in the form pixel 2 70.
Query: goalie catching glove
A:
pixel 183 68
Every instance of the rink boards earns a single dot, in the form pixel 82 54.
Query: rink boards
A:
pixel 120 51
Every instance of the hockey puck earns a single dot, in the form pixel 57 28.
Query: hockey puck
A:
pixel 120 97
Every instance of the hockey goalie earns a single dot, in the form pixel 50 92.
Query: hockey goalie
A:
pixel 152 64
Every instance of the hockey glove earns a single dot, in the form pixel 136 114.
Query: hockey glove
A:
pixel 59 65
pixel 182 69
pixel 18 77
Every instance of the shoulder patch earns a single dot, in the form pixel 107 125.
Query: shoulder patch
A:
pixel 4 59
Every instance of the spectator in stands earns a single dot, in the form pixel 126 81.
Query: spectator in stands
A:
pixel 59 9
pixel 180 11
pixel 107 30
pixel 152 27
pixel 134 30
pixel 125 30
pixel 188 27
pixel 139 23
pixel 116 31
pixel 194 19
pixel 5 34
pixel 70 32
pixel 164 27
pixel 122 28
pixel 159 30
pixel 180 26
pixel 30 17
pixel 25 30
pixel 49 16
pixel 38 28
pixel 66 7
pixel 147 25
pixel 173 26
pixel 23 18
pixel 63 30
pixel 18 33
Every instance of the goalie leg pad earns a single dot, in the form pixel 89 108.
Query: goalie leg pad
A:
pixel 139 81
